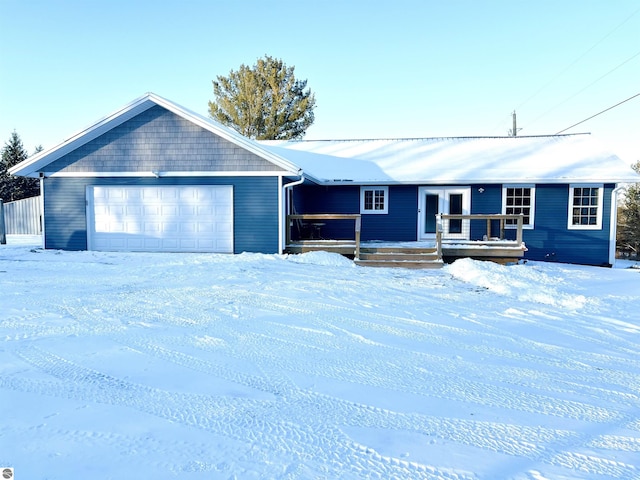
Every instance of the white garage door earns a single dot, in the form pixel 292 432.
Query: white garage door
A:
pixel 166 219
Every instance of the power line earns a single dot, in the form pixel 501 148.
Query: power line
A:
pixel 599 113
pixel 563 71
pixel 584 88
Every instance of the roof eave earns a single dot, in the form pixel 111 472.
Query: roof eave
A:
pixel 475 181
pixel 32 166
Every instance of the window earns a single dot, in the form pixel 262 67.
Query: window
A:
pixel 374 199
pixel 516 200
pixel 585 207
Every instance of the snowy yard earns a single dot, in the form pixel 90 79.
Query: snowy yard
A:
pixel 201 366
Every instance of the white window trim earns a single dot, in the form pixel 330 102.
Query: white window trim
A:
pixel 532 215
pixel 598 225
pixel 384 211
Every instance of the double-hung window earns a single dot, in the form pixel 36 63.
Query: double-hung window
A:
pixel 519 200
pixel 374 199
pixel 585 207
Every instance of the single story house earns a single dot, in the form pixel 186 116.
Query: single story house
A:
pixel 154 176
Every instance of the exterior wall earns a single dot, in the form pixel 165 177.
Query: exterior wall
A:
pixel 400 224
pixel 549 240
pixel 255 205
pixel 487 202
pixel 159 140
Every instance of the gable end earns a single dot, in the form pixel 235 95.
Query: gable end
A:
pixel 158 140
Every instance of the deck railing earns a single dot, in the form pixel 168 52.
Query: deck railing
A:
pixel 318 220
pixel 494 230
pixel 480 227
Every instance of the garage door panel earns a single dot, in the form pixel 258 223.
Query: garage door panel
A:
pixel 188 210
pixel 181 218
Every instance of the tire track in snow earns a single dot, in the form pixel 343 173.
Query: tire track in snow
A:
pixel 397 326
pixel 423 329
pixel 202 319
pixel 376 369
pixel 311 315
pixel 368 372
pixel 177 456
pixel 534 443
pixel 241 419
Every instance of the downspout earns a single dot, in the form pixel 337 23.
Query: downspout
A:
pixel 42 216
pixel 613 228
pixel 285 204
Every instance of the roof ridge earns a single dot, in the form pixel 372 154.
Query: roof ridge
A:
pixel 464 137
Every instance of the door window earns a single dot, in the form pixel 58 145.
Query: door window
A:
pixel 445 200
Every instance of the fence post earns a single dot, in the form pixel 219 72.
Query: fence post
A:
pixel 3 233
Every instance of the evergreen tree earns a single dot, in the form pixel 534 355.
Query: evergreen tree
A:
pixel 15 188
pixel 629 222
pixel 264 102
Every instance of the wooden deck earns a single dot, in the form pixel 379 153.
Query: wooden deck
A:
pixel 445 248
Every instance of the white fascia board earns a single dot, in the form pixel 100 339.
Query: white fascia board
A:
pixel 162 174
pixel 33 165
pixel 473 181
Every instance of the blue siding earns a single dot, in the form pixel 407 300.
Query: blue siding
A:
pixel 255 204
pixel 400 224
pixel 159 140
pixel 487 202
pixel 552 240
pixel 65 224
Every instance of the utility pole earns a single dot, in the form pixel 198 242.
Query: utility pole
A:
pixel 514 131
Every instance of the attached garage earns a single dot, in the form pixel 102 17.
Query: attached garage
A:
pixel 155 177
pixel 196 218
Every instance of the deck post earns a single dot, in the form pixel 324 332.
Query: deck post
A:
pixel 439 235
pixel 519 231
pixel 287 240
pixel 358 228
pixel 488 228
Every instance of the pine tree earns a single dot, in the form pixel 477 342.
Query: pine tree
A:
pixel 629 224
pixel 264 102
pixel 15 188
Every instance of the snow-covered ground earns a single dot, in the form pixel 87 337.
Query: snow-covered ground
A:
pixel 202 366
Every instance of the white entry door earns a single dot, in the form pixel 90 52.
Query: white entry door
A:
pixel 448 200
pixel 196 218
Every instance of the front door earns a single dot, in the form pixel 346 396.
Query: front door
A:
pixel 447 200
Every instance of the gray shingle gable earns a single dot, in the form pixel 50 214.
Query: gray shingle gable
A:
pixel 159 140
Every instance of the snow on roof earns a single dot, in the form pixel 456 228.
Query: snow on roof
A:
pixel 535 159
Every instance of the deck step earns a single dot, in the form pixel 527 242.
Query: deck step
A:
pixel 416 264
pixel 399 256
pixel 411 250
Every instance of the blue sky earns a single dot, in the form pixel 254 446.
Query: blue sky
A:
pixel 378 69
